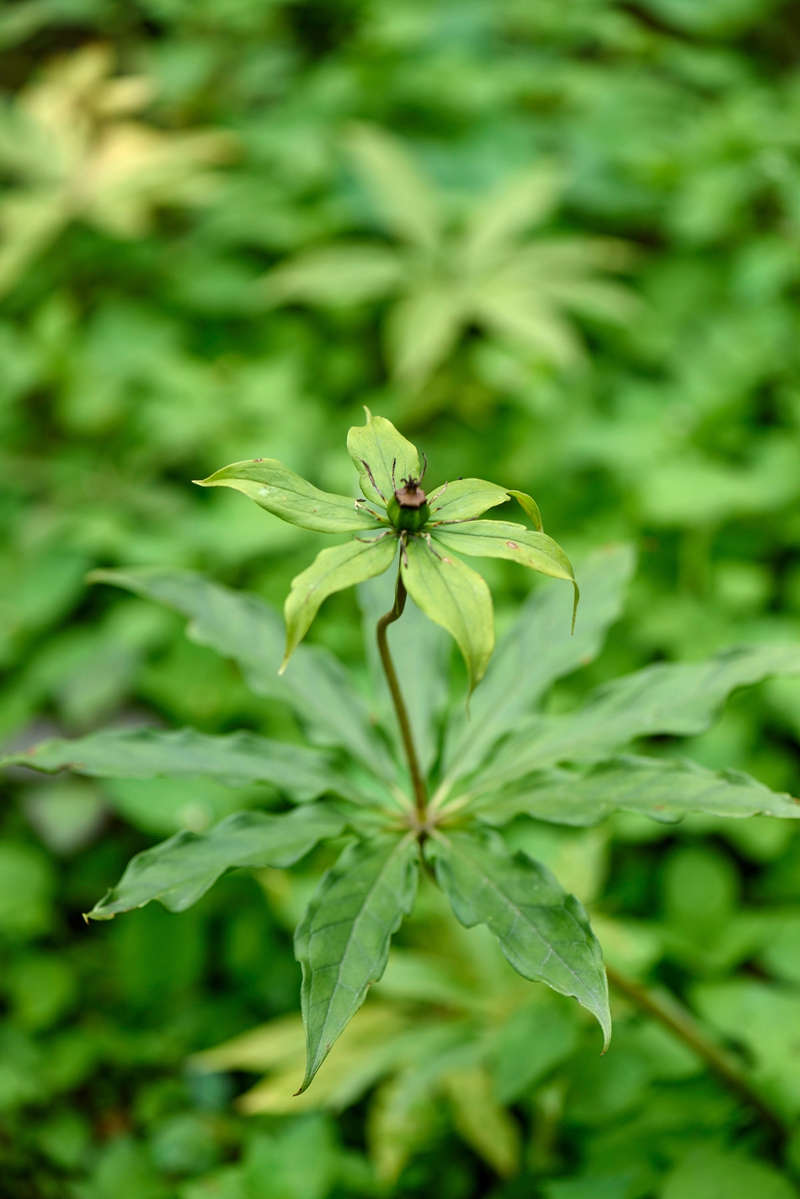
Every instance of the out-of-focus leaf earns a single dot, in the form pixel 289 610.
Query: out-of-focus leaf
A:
pixel 455 597
pixel 27 884
pixel 763 1018
pixel 237 758
pixel 667 790
pixel 544 933
pixel 516 207
pixel 518 313
pixel 714 1173
pixel 682 699
pixel 283 493
pixel 399 1122
pixel 465 499
pixel 332 570
pixel 502 539
pixel 180 870
pixel 536 1038
pixel 481 1121
pixel 537 650
pixel 399 190
pixel 422 329
pixel 245 628
pixel 342 942
pixel 336 275
pixel 382 457
pixel 86 158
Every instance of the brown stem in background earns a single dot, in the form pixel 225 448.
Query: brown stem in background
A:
pixel 417 779
pixel 667 1010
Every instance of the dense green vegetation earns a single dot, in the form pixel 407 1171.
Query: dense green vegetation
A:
pixel 556 244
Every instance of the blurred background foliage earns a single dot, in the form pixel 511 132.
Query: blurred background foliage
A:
pixel 559 245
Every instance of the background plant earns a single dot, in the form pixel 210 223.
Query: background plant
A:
pixel 130 365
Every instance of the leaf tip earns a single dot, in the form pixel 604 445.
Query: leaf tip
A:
pixel 575 605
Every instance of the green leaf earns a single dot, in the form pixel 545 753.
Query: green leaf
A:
pixel 382 457
pixel 336 275
pixel 502 539
pixel 465 499
pixel 422 330
pixel 235 759
pixel 342 942
pixel 666 790
pixel 283 493
pixel 680 699
pixel 537 650
pixel 332 570
pixel 529 506
pixel 180 870
pixel 510 212
pixel 243 627
pixel 401 193
pixel 520 314
pixel 455 597
pixel 544 933
pixel 714 1172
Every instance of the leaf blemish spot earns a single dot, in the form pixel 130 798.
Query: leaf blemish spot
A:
pixel 512 545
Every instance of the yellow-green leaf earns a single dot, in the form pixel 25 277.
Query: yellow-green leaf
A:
pixel 502 539
pixel 529 506
pixel 382 457
pixel 455 597
pixel 283 493
pixel 334 569
pixel 465 499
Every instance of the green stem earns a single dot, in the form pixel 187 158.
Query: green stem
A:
pixel 417 779
pixel 665 1008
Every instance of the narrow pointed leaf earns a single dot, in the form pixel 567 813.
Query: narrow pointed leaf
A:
pixel 336 275
pixel 180 870
pixel 465 499
pixel 666 790
pixel 243 627
pixel 332 570
pixel 520 314
pixel 382 457
pixel 529 506
pixel 455 597
pixel 544 933
pixel 283 493
pixel 520 204
pixel 235 759
pixel 680 699
pixel 342 942
pixel 502 539
pixel 402 194
pixel 422 330
pixel 537 650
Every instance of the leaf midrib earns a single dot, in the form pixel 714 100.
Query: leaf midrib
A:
pixel 354 923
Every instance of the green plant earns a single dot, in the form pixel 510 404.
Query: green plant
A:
pixel 449 274
pixel 503 763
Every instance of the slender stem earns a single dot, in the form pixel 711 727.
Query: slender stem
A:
pixel 665 1008
pixel 417 779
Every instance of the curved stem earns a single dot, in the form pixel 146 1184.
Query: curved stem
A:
pixel 665 1008
pixel 417 779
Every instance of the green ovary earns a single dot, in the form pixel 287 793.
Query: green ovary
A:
pixel 411 519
